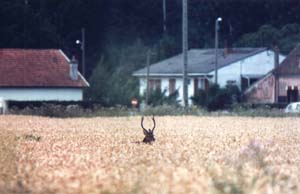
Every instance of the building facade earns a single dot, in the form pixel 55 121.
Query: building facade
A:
pixel 281 85
pixel 238 66
pixel 39 75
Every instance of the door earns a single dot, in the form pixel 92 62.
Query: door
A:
pixel 292 94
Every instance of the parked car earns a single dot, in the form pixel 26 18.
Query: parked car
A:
pixel 292 108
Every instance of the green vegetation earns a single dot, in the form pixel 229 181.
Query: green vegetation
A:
pixel 216 98
pixel 285 37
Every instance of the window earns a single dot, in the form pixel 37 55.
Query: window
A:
pixel 252 80
pixel 154 84
pixel 200 83
pixel 172 86
pixel 231 82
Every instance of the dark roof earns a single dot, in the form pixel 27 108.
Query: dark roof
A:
pixel 36 68
pixel 200 61
pixel 291 64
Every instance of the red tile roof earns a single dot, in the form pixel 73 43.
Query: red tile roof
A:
pixel 36 68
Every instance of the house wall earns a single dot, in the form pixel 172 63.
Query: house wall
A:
pixel 288 84
pixel 41 94
pixel 259 64
pixel 165 86
pixel 288 81
pixel 262 91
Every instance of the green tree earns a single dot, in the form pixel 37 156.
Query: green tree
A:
pixel 98 83
pixel 285 38
pixel 112 81
pixel 266 36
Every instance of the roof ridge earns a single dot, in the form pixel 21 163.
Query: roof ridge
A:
pixel 29 48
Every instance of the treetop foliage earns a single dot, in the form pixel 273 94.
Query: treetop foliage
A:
pixel 119 32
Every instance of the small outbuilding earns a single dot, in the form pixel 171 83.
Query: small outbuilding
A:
pixel 280 85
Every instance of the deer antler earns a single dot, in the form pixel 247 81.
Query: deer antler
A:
pixel 153 123
pixel 142 121
pixel 149 136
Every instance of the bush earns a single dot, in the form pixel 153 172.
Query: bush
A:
pixel 158 98
pixel 216 98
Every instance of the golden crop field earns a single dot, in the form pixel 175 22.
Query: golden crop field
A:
pixel 190 155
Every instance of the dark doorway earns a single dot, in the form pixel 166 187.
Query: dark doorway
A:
pixel 196 86
pixel 172 86
pixel 292 94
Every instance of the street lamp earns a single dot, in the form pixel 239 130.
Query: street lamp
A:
pixel 82 47
pixel 216 47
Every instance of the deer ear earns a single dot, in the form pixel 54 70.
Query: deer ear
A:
pixel 145 131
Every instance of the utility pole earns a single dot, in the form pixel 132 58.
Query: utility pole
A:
pixel 83 50
pixel 165 16
pixel 184 51
pixel 147 78
pixel 217 47
pixel 25 22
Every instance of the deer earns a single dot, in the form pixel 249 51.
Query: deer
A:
pixel 149 135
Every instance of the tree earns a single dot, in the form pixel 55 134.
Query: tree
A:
pixel 285 38
pixel 112 81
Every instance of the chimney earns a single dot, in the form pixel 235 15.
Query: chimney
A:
pixel 276 56
pixel 73 69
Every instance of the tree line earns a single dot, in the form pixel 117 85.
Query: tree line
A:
pixel 119 32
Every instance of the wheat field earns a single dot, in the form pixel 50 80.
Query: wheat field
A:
pixel 190 155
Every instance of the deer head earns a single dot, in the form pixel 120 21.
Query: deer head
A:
pixel 149 136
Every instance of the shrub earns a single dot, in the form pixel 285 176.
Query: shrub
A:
pixel 158 97
pixel 216 98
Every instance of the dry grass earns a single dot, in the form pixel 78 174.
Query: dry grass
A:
pixel 191 155
pixel 8 165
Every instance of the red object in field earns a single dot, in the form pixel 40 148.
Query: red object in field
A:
pixel 134 102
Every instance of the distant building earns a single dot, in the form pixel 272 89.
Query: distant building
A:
pixel 236 66
pixel 39 75
pixel 281 85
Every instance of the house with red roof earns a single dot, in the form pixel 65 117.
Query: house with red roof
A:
pixel 39 75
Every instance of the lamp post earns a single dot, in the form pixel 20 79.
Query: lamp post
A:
pixel 216 47
pixel 82 47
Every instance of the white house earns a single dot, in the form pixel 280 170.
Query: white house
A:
pixel 238 66
pixel 39 75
